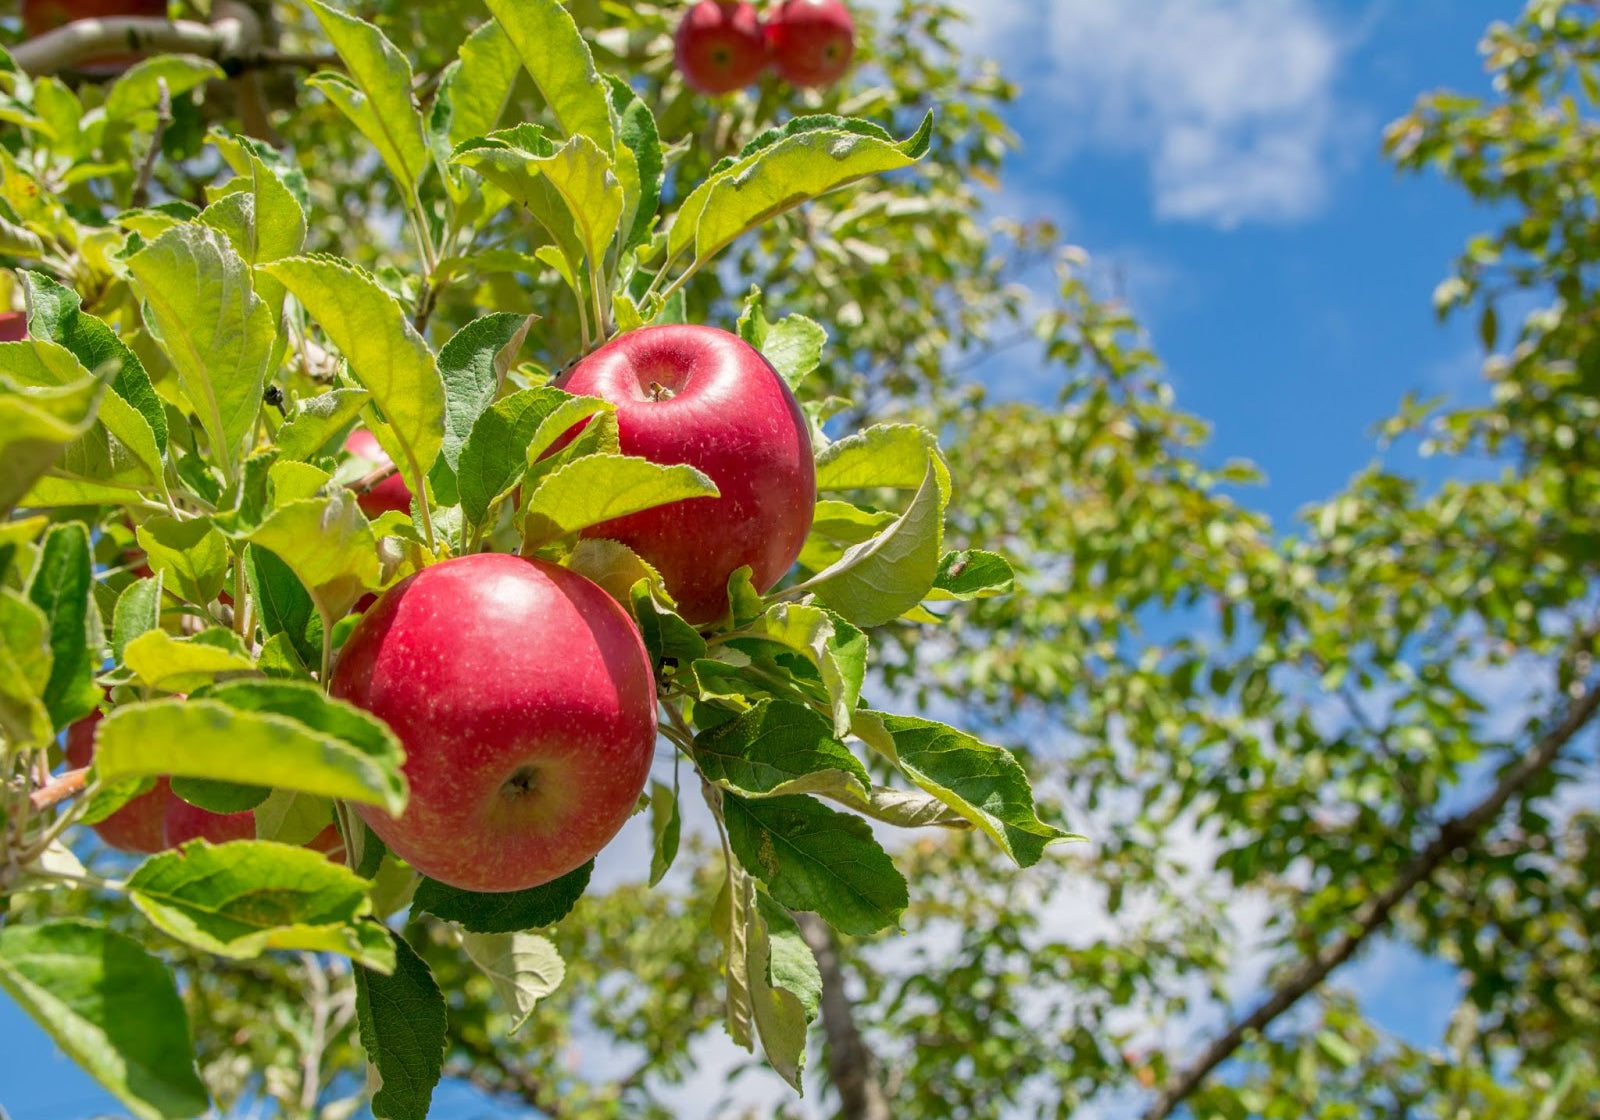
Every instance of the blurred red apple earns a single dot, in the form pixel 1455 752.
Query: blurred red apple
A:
pixel 720 46
pixel 811 41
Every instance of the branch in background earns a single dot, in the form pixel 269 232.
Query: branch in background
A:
pixel 1456 834
pixel 60 789
pixel 852 1066
pixel 232 40
pixel 488 1071
pixel 141 189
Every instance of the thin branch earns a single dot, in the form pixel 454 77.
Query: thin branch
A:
pixel 60 789
pixel 852 1066
pixel 141 188
pixel 1454 835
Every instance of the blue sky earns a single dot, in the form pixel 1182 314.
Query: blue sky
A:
pixel 1223 157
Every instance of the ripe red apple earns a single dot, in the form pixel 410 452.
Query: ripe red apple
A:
pixel 811 41
pixel 329 843
pixel 40 16
pixel 185 822
pixel 13 326
pixel 136 827
pixel 526 704
pixel 720 46
pixel 699 395
pixel 390 494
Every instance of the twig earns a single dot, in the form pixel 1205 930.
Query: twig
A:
pixel 233 39
pixel 1454 835
pixel 62 788
pixel 141 188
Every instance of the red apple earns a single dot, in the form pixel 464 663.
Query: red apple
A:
pixel 390 494
pixel 811 41
pixel 185 822
pixel 526 704
pixel 329 843
pixel 698 395
pixel 136 827
pixel 40 16
pixel 13 326
pixel 720 46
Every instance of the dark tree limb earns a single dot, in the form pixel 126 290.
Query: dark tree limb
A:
pixel 1454 835
pixel 852 1066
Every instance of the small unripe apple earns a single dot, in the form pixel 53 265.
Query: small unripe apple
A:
pixel 525 701
pixel 137 826
pixel 390 494
pixel 720 46
pixel 40 16
pixel 13 326
pixel 811 41
pixel 185 822
pixel 702 396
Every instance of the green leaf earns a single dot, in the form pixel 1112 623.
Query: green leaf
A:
pixel 374 94
pixel 219 797
pixel 558 59
pixel 191 555
pixel 511 160
pixel 779 177
pixel 59 587
pixel 535 908
pixel 894 456
pixel 495 456
pixel 835 526
pixel 777 748
pixel 57 316
pixel 523 967
pixel 585 178
pixel 36 425
pixel 781 1013
pixel 793 345
pixel 667 825
pixel 385 352
pixel 25 662
pixel 111 1007
pixel 598 488
pixel 973 574
pixel 317 420
pixel 836 648
pixel 219 335
pixel 637 134
pixel 666 635
pixel 271 733
pixel 473 365
pixel 401 1018
pixel 138 90
pixel 241 899
pixel 478 89
pixel 877 581
pixel 292 818
pixel 138 612
pixel 328 545
pixel 983 783
pixel 286 608
pixel 167 664
pixel 813 858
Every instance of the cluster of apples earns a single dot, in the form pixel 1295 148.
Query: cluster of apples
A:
pixel 723 45
pixel 521 690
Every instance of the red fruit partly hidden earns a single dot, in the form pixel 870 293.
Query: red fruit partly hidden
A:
pixel 701 396
pixel 390 494
pixel 329 843
pixel 40 16
pixel 525 701
pixel 811 41
pixel 137 826
pixel 13 326
pixel 185 822
pixel 720 46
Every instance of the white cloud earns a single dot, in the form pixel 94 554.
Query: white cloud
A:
pixel 1230 103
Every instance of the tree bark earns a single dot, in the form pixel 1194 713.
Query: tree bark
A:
pixel 852 1066
pixel 1456 834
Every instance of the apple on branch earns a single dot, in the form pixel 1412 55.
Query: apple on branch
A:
pixel 811 41
pixel 720 46
pixel 702 396
pixel 526 704
pixel 137 826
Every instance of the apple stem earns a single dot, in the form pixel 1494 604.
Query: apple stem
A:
pixel 659 392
